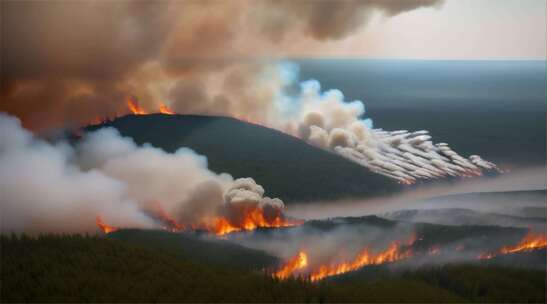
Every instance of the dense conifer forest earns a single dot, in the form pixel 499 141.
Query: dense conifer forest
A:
pixel 90 268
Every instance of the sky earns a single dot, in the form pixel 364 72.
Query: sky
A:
pixel 457 29
pixel 70 62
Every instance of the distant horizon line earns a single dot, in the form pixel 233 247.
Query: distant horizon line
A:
pixel 414 59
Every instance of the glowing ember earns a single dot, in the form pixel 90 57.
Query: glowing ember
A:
pixel 134 107
pixel 297 262
pixel 531 241
pixel 104 227
pixel 164 109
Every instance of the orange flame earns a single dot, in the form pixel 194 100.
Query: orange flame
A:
pixel 253 218
pixel 104 227
pixel 134 107
pixel 299 261
pixel 164 109
pixel 365 258
pixel 392 254
pixel 170 223
pixel 531 241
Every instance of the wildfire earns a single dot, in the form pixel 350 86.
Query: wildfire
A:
pixel 299 261
pixel 392 254
pixel 365 258
pixel 169 223
pixel 104 227
pixel 164 109
pixel 531 241
pixel 253 218
pixel 134 107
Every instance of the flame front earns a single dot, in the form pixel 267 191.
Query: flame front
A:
pixel 531 241
pixel 134 107
pixel 299 261
pixel 164 109
pixel 253 218
pixel 104 227
pixel 392 254
pixel 365 258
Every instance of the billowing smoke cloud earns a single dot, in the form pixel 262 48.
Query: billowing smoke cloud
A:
pixel 47 187
pixel 94 55
pixel 326 120
pixel 68 62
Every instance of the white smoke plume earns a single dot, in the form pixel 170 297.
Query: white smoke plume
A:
pixel 326 120
pixel 52 187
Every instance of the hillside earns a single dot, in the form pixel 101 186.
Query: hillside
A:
pixel 462 216
pixel 287 167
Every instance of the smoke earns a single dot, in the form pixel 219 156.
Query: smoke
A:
pixel 52 187
pixel 325 119
pixel 67 62
pixel 430 196
pixel 95 55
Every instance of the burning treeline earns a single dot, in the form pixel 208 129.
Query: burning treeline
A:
pixel 302 265
pixel 244 209
pixel 531 241
pixel 108 181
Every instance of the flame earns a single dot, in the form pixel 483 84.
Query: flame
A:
pixel 104 227
pixel 531 241
pixel 166 219
pixel 134 107
pixel 253 218
pixel 164 109
pixel 364 258
pixel 299 261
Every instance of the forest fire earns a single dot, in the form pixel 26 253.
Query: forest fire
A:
pixel 249 220
pixel 297 262
pixel 134 107
pixel 104 227
pixel 531 241
pixel 164 109
pixel 395 252
pixel 392 254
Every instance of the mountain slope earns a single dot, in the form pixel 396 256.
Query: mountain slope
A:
pixel 287 167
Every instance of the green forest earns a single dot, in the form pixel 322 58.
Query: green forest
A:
pixel 92 268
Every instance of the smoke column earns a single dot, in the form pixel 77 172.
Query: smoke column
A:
pixel 93 55
pixel 52 187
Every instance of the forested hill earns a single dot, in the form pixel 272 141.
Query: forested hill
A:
pixel 287 167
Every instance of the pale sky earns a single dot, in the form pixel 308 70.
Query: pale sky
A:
pixel 459 29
